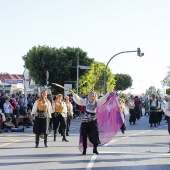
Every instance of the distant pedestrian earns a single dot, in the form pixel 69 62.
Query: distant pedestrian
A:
pixel 153 116
pixel 69 114
pixel 137 103
pixel 167 112
pixel 132 113
pixel 122 107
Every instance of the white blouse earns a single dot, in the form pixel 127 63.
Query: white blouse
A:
pixel 83 102
pixel 166 109
pixel 35 106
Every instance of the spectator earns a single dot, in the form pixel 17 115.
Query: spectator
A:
pixel 2 120
pixel 9 126
pixel 2 101
pixel 7 106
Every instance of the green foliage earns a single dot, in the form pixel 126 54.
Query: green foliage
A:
pixel 166 80
pixel 94 79
pixel 168 91
pixel 61 64
pixel 151 90
pixel 123 81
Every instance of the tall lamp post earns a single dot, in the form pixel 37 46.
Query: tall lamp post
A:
pixel 138 54
pixel 80 67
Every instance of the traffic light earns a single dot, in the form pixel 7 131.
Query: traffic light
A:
pixel 138 52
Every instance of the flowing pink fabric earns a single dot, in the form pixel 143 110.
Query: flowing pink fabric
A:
pixel 110 119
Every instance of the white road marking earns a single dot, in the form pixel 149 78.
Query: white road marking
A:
pixel 90 164
pixel 142 132
pixel 125 137
pixel 134 134
pixel 109 142
pixel 92 160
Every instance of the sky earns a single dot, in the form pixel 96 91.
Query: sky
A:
pixel 102 28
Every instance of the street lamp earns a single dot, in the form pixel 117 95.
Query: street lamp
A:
pixel 138 54
pixel 81 67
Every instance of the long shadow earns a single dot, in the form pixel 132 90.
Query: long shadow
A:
pixel 28 156
pixel 66 161
pixel 9 148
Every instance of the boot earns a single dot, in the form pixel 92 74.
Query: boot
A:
pixel 45 140
pixel 84 151
pixel 37 140
pixel 55 131
pixel 84 144
pixel 95 150
pixel 64 136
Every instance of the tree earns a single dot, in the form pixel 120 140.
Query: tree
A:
pixel 166 80
pixel 61 64
pixel 94 79
pixel 168 91
pixel 151 90
pixel 123 81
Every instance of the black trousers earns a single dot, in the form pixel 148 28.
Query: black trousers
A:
pixel 90 130
pixel 69 117
pixel 60 123
pixel 37 138
pixel 153 117
pixel 168 120
pixel 132 117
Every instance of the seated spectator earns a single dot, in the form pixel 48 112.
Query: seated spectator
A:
pixel 20 117
pixel 16 114
pixel 9 126
pixel 30 121
pixel 2 120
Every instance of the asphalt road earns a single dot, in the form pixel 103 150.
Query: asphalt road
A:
pixel 141 148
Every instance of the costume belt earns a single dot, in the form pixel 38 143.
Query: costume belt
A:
pixel 55 114
pixel 68 113
pixel 42 114
pixel 152 108
pixel 89 113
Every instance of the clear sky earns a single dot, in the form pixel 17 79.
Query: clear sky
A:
pixel 102 28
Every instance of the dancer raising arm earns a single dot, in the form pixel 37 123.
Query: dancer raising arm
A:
pixel 89 125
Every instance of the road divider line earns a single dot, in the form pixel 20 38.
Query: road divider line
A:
pixel 90 164
pixel 15 141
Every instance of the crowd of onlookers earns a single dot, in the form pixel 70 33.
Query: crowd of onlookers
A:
pixel 15 111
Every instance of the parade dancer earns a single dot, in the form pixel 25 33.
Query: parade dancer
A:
pixel 60 117
pixel 122 108
pixel 42 111
pixel 153 116
pixel 89 125
pixel 69 113
pixel 132 113
pixel 167 112
pixel 101 117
